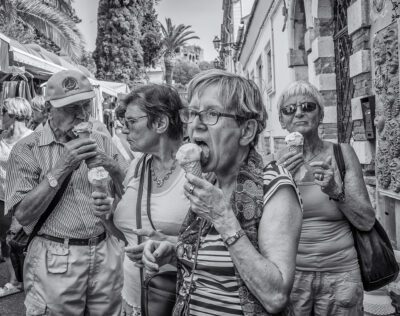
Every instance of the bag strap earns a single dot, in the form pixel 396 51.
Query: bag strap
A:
pixel 142 162
pixel 337 150
pixel 49 208
pixel 149 182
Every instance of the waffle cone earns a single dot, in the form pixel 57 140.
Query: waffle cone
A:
pixel 296 148
pixel 193 167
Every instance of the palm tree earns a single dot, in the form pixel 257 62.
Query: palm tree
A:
pixel 55 25
pixel 174 37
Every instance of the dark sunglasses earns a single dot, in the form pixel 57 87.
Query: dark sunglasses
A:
pixel 290 109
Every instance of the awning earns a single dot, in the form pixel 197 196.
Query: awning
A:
pixel 109 87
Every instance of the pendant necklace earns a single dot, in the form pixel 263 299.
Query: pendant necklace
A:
pixel 160 181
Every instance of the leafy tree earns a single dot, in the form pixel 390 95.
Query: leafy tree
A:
pixel 38 19
pixel 174 37
pixel 118 54
pixel 184 71
pixel 88 62
pixel 205 65
pixel 151 34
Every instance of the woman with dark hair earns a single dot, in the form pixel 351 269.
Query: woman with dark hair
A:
pixel 153 127
pixel 16 112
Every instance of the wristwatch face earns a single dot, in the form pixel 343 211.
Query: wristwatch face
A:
pixel 230 240
pixel 52 181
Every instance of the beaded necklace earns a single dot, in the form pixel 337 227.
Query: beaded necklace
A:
pixel 160 181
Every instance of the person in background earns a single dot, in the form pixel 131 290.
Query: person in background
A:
pixel 249 221
pixel 39 112
pixel 73 266
pixel 15 114
pixel 327 280
pixel 119 137
pixel 153 127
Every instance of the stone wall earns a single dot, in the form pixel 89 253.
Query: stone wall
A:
pixel 386 68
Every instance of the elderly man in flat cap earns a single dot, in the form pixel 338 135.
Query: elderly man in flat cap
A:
pixel 73 266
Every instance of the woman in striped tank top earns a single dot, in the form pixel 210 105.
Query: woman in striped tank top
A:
pixel 237 247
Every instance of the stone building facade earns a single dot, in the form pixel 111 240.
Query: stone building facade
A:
pixel 349 50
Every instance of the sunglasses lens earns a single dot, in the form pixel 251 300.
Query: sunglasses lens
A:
pixel 308 106
pixel 289 109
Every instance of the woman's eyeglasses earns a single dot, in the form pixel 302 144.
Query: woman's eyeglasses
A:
pixel 130 121
pixel 208 117
pixel 292 108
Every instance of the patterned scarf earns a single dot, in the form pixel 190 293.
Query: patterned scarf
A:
pixel 247 204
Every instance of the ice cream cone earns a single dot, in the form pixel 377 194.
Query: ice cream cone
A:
pixel 188 157
pixel 99 179
pixel 295 142
pixel 193 167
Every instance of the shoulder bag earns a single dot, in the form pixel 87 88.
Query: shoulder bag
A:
pixel 375 254
pixel 20 241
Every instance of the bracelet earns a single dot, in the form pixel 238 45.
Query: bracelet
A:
pixel 229 241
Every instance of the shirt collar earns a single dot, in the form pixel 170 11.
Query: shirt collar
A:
pixel 47 136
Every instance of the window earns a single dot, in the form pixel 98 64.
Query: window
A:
pixel 252 75
pixel 260 74
pixel 269 66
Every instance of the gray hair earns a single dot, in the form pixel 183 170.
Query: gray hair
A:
pixel 298 88
pixel 38 103
pixel 18 107
pixel 236 93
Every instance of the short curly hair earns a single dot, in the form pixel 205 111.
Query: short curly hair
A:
pixel 157 100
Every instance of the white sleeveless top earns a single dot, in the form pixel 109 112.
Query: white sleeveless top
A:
pixel 168 210
pixel 5 149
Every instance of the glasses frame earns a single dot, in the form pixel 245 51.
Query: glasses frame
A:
pixel 302 105
pixel 125 122
pixel 199 114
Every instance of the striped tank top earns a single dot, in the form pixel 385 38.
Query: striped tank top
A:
pixel 216 290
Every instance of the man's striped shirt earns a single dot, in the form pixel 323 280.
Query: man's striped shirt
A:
pixel 31 159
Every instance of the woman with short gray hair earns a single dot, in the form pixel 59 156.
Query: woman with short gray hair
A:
pixel 327 280
pixel 237 247
pixel 16 112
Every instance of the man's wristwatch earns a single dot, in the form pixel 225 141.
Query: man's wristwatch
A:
pixel 340 197
pixel 229 241
pixel 52 181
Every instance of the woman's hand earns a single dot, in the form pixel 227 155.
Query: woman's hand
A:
pixel 135 252
pixel 102 204
pixel 291 161
pixel 210 203
pixel 324 176
pixel 156 254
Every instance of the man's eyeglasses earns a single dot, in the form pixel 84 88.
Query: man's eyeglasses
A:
pixel 290 109
pixel 208 117
pixel 131 121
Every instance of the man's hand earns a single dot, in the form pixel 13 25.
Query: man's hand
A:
pixel 101 159
pixel 76 151
pixel 102 204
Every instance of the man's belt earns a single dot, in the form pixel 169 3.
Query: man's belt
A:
pixel 77 242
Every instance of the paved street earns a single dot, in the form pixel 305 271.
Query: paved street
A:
pixel 12 305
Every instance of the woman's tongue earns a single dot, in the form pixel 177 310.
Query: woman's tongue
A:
pixel 205 154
